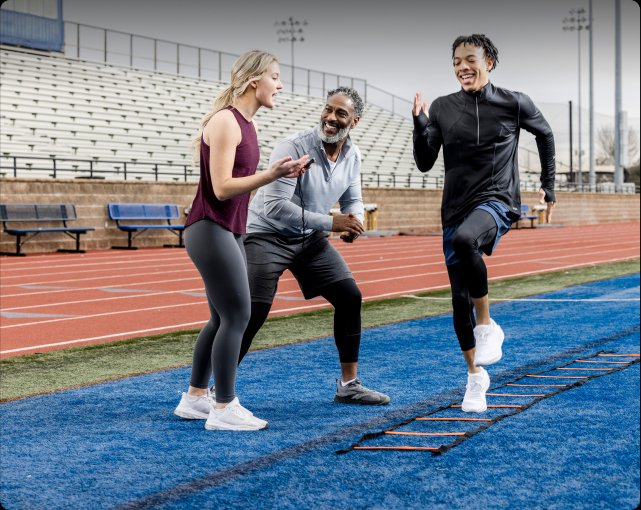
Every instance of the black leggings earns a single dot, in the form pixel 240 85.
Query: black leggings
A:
pixel 219 256
pixel 345 297
pixel 468 277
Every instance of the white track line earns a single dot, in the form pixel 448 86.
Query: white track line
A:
pixel 533 300
pixel 199 289
pixel 351 257
pixel 492 263
pixel 146 294
pixel 305 307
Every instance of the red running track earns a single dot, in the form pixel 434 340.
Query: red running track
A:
pixel 57 301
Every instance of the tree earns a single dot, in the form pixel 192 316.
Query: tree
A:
pixel 605 145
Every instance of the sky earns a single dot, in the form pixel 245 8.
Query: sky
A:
pixel 403 46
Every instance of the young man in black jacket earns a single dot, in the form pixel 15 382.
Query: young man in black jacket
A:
pixel 478 127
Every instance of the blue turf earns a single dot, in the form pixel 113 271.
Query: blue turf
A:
pixel 118 443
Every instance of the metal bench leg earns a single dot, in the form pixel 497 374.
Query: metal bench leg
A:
pixel 77 250
pixel 130 240
pixel 18 252
pixel 180 244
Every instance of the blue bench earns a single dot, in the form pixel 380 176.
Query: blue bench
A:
pixel 145 212
pixel 525 215
pixel 58 214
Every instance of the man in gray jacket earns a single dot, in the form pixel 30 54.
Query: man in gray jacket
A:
pixel 287 229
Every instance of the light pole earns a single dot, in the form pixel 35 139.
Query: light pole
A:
pixel 576 21
pixel 290 30
pixel 618 170
pixel 592 172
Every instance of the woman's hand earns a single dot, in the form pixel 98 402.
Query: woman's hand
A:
pixel 287 167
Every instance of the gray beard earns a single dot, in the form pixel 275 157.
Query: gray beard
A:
pixel 341 135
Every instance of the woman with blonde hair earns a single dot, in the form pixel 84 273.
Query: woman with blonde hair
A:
pixel 228 150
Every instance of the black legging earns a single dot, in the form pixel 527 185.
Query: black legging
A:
pixel 219 256
pixel 345 297
pixel 468 277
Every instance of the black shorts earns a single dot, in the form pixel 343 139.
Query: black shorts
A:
pixel 315 263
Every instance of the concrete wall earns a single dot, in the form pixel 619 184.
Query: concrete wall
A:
pixel 404 210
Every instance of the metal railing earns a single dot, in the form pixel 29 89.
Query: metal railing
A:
pixel 72 168
pixel 133 170
pixel 87 42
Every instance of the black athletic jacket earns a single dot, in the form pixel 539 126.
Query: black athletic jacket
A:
pixel 479 132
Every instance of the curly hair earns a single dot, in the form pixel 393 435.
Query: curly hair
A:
pixel 480 41
pixel 359 106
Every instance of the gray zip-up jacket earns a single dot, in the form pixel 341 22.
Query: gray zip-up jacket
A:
pixel 276 207
pixel 479 132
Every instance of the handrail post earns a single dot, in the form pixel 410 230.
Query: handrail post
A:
pixel 54 168
pixel 124 169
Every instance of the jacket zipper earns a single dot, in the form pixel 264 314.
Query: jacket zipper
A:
pixel 476 100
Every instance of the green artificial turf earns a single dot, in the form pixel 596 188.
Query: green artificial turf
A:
pixel 42 373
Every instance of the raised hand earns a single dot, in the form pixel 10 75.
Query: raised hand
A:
pixel 418 106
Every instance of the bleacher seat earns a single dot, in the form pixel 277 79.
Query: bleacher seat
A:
pixel 56 106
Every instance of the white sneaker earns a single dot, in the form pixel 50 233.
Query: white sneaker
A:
pixel 233 417
pixel 474 400
pixel 489 339
pixel 194 408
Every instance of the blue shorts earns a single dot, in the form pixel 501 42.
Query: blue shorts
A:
pixel 498 210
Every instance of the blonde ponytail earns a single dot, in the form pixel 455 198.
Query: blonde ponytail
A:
pixel 249 67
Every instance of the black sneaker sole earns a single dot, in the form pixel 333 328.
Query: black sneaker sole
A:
pixel 347 400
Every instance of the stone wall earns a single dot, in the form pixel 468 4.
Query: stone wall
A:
pixel 399 210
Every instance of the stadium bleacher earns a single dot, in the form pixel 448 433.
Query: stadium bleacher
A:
pixel 57 107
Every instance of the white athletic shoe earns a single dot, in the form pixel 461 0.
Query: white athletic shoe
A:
pixel 233 417
pixel 474 400
pixel 194 408
pixel 489 339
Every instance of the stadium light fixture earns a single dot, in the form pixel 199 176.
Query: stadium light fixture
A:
pixel 291 31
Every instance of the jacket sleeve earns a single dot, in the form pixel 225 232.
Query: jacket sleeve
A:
pixel 532 120
pixel 352 200
pixel 427 139
pixel 280 197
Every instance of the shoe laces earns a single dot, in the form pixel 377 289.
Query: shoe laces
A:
pixel 356 383
pixel 475 387
pixel 241 411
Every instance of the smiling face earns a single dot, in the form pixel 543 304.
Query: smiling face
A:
pixel 471 67
pixel 337 118
pixel 269 85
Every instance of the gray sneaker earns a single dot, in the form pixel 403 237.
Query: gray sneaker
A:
pixel 356 393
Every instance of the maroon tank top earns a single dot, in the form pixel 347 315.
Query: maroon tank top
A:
pixel 231 213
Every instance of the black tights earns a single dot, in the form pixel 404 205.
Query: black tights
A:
pixel 345 297
pixel 468 277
